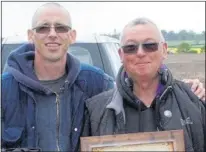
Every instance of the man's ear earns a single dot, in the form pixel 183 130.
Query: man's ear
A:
pixel 73 36
pixel 165 51
pixel 30 36
pixel 121 54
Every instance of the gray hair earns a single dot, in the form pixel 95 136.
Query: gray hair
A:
pixel 140 21
pixel 49 4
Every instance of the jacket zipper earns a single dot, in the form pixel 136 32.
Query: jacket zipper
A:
pixel 57 122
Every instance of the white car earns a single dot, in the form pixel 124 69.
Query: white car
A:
pixel 99 51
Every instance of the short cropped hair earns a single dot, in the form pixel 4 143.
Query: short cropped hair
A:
pixel 49 4
pixel 141 21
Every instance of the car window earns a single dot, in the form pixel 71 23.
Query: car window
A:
pixel 81 53
pixel 6 50
pixel 91 53
pixel 114 58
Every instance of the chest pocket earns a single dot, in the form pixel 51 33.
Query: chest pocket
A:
pixel 12 137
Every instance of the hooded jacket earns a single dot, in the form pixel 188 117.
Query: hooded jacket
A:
pixel 110 112
pixel 20 87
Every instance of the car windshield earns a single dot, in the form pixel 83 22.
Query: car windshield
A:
pixel 4 55
pixel 10 47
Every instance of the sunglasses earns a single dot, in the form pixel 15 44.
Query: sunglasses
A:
pixel 44 29
pixel 147 47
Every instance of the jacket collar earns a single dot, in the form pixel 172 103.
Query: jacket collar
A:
pixel 117 103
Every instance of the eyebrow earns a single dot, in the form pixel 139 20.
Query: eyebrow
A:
pixel 42 24
pixel 57 23
pixel 150 39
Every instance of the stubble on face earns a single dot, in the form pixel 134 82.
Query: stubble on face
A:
pixel 52 16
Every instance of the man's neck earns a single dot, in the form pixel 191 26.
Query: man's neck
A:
pixel 49 70
pixel 145 90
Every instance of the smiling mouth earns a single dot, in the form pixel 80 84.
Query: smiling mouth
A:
pixel 142 63
pixel 52 44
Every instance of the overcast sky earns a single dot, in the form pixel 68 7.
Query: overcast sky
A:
pixel 101 17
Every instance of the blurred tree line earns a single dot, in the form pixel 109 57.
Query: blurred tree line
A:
pixel 172 36
pixel 183 35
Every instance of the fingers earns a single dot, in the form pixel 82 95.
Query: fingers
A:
pixel 197 87
pixel 194 83
pixel 201 94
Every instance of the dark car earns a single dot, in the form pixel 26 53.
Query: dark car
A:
pixel 99 51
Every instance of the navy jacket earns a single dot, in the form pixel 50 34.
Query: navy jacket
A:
pixel 19 85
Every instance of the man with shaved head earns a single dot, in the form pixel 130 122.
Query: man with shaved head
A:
pixel 44 88
pixel 50 5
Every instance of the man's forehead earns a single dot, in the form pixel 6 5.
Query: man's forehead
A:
pixel 50 22
pixel 51 15
pixel 141 28
pixel 149 31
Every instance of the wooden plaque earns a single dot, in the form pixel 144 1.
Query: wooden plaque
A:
pixel 148 141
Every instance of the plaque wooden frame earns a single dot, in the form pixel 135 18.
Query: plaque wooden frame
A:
pixel 148 141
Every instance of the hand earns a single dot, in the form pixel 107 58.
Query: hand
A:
pixel 197 87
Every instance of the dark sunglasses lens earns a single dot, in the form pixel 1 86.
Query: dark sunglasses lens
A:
pixel 130 48
pixel 62 29
pixel 43 29
pixel 150 47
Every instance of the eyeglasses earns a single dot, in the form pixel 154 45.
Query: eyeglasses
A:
pixel 147 47
pixel 44 29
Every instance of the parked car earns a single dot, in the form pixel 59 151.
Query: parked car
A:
pixel 96 50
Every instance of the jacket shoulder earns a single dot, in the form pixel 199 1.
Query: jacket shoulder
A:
pixel 99 102
pixel 93 80
pixel 186 90
pixel 92 70
pixel 8 82
pixel 6 76
pixel 10 87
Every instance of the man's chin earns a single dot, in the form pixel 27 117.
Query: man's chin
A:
pixel 53 50
pixel 54 59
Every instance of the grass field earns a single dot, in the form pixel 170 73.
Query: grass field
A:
pixel 187 66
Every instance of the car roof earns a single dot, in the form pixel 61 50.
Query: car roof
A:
pixel 80 39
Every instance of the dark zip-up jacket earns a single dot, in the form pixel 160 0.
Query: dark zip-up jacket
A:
pixel 107 113
pixel 20 86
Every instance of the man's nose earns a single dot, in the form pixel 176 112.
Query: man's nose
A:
pixel 140 51
pixel 52 32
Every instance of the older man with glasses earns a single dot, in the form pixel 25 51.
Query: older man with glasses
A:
pixel 147 97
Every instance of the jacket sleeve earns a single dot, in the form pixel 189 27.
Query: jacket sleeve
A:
pixel 109 83
pixel 11 112
pixel 2 127
pixel 203 111
pixel 86 126
pixel 201 106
